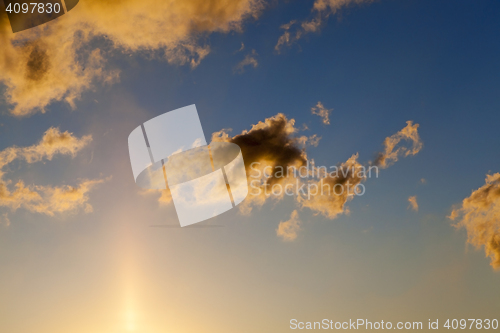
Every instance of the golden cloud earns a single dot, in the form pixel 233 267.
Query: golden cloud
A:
pixel 56 61
pixel 322 10
pixel 479 215
pixel 323 112
pixel 413 203
pixel 4 220
pixel 46 199
pixel 287 230
pixel 270 144
pixel 250 60
pixel 331 194
pixel 53 142
pixel 394 149
pixel 275 156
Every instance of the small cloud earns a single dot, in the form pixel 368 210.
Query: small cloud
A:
pixel 323 112
pixel 322 10
pixel 413 203
pixel 165 195
pixel 287 230
pixel 479 215
pixel 4 221
pixel 52 143
pixel 367 230
pixel 250 60
pixel 241 48
pixel 314 140
pixel 393 149
pixel 285 39
pixel 423 181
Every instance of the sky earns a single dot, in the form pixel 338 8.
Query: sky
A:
pixel 408 86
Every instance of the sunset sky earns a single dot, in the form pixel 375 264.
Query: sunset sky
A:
pixel 409 85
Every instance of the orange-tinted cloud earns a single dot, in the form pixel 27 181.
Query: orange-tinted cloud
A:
pixel 269 146
pixel 57 62
pixel 46 199
pixel 250 60
pixel 275 158
pixel 273 142
pixel 413 203
pixel 394 149
pixel 53 142
pixel 479 215
pixel 323 112
pixel 4 220
pixel 321 11
pixel 287 230
pixel 329 195
pixel 273 147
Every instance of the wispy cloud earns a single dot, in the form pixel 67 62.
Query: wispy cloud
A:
pixel 47 200
pixel 241 48
pixel 53 142
pixel 330 196
pixel 413 203
pixel 323 112
pixel 250 60
pixel 4 220
pixel 479 215
pixel 394 149
pixel 287 230
pixel 286 39
pixel 58 61
pixel 321 11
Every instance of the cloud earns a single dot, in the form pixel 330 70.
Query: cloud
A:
pixel 321 11
pixel 164 199
pixel 4 220
pixel 250 60
pixel 47 200
pixel 273 147
pixel 286 38
pixel 323 112
pixel 329 194
pixel 59 60
pixel 275 156
pixel 54 67
pixel 53 142
pixel 313 140
pixel 394 149
pixel 241 48
pixel 413 203
pixel 287 230
pixel 479 215
pixel 271 144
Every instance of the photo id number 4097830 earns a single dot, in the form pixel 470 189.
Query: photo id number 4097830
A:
pixel 33 7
